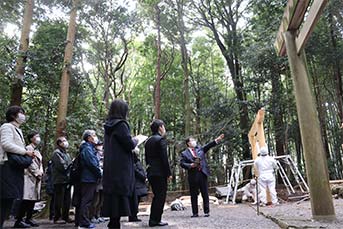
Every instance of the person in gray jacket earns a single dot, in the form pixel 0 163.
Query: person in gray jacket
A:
pixel 61 162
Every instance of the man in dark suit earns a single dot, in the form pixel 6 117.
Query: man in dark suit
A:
pixel 158 170
pixel 193 159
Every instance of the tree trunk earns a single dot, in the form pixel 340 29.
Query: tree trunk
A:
pixel 158 66
pixel 17 86
pixel 184 63
pixel 278 115
pixel 64 85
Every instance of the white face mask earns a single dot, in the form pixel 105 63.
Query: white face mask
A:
pixel 66 144
pixel 95 139
pixel 37 140
pixel 193 143
pixel 20 118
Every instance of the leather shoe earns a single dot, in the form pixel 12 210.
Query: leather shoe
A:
pixel 32 223
pixel 58 221
pixel 195 215
pixel 159 224
pixel 134 219
pixel 21 224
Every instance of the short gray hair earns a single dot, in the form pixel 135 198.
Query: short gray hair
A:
pixel 87 133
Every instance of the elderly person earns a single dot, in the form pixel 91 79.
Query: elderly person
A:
pixel 119 174
pixel 266 166
pixel 12 142
pixel 90 174
pixel 61 162
pixel 32 183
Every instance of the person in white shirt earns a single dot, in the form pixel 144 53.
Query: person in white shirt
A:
pixel 265 166
pixel 249 191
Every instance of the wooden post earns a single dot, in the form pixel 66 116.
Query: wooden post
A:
pixel 256 133
pixel 315 161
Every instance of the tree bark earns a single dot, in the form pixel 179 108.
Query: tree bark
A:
pixel 65 80
pixel 17 86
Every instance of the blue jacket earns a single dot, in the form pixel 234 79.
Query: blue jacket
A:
pixel 89 163
pixel 187 158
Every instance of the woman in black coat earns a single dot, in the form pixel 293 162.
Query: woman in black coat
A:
pixel 119 174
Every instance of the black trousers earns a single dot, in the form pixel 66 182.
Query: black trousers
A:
pixel 136 209
pixel 62 201
pixel 5 208
pixel 52 206
pixel 198 181
pixel 95 210
pixel 159 188
pixel 87 195
pixel 26 207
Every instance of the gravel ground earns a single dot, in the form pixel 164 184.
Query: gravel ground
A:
pixel 286 215
pixel 222 216
pixel 299 215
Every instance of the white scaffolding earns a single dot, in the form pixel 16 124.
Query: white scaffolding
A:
pixel 236 176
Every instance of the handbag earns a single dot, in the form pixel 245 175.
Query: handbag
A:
pixel 18 160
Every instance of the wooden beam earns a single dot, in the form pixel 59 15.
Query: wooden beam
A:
pixel 336 181
pixel 311 139
pixel 311 20
pixel 256 133
pixel 291 20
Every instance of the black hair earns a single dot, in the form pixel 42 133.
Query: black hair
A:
pixel 59 140
pixel 12 112
pixel 155 124
pixel 31 135
pixel 118 110
pixel 187 140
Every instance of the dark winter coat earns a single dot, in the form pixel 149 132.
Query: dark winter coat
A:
pixel 61 162
pixel 49 185
pixel 187 158
pixel 12 181
pixel 119 174
pixel 156 156
pixel 140 175
pixel 90 172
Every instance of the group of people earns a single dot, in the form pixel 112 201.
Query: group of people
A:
pixel 111 177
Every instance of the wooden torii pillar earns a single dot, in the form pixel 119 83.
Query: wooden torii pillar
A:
pixel 291 40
